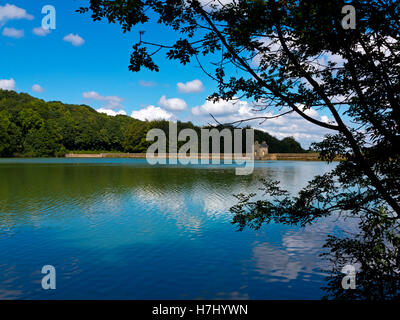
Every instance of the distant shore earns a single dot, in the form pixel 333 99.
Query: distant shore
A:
pixel 271 156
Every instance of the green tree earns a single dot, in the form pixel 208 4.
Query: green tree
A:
pixel 10 135
pixel 288 37
pixel 44 141
pixel 135 137
pixel 81 128
pixel 290 56
pixel 289 144
pixel 5 138
pixel 30 120
pixel 68 130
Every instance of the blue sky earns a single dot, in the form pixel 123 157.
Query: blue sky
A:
pixel 86 62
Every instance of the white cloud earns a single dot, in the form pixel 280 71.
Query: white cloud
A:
pixel 325 119
pixel 92 95
pixel 145 83
pixel 282 127
pixel 37 88
pixel 294 125
pixel 110 102
pixel 74 39
pixel 191 86
pixel 173 104
pixel 7 84
pixel 222 108
pixel 13 33
pixel 11 12
pixel 41 32
pixel 111 112
pixel 152 113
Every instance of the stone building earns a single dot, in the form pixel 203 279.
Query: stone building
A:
pixel 260 150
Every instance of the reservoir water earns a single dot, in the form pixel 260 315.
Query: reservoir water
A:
pixel 122 229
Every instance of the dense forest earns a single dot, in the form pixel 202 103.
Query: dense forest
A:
pixel 30 127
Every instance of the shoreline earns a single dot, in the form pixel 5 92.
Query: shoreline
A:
pixel 271 156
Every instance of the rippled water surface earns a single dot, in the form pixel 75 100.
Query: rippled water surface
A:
pixel 122 229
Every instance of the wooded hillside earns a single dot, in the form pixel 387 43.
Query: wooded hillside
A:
pixel 31 127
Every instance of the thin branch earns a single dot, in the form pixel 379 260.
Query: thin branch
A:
pixel 198 8
pixel 250 119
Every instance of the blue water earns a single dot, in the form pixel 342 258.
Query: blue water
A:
pixel 122 229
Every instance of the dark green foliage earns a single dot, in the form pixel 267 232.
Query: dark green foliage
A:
pixel 44 141
pixel 39 128
pixel 10 134
pixel 31 127
pixel 135 137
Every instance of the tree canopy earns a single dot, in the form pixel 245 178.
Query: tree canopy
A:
pixel 33 127
pixel 305 59
pixel 291 56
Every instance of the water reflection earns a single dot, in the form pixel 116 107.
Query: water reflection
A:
pixel 374 251
pixel 115 228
